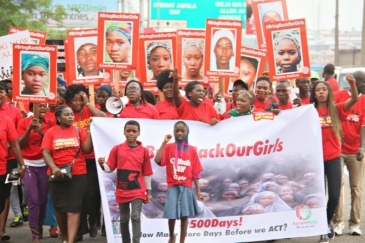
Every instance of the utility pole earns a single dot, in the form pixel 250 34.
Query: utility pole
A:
pixel 363 37
pixel 337 52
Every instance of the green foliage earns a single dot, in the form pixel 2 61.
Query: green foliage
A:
pixel 27 14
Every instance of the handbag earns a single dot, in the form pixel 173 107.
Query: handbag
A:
pixel 273 105
pixel 13 176
pixel 67 169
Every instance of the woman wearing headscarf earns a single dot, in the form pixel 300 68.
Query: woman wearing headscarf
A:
pixel 272 202
pixel 102 94
pixel 193 53
pixel 118 42
pixel 223 49
pixel 159 58
pixel 35 70
pixel 287 51
pixel 86 61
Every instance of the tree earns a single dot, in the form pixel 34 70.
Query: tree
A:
pixel 20 13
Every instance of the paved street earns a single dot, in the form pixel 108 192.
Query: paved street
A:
pixel 22 234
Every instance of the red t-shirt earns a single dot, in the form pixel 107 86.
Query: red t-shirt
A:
pixel 204 112
pixel 167 111
pixel 288 106
pixel 334 84
pixel 50 115
pixel 351 126
pixel 330 143
pixel 306 101
pixel 131 164
pixel 262 105
pixel 15 116
pixel 84 123
pixel 7 133
pixel 188 165
pixel 145 110
pixel 64 144
pixel 33 151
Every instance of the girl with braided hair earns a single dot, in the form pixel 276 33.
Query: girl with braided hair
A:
pixel 118 42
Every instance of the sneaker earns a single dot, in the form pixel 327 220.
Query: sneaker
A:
pixel 18 220
pixel 25 214
pixel 355 230
pixel 338 228
pixel 331 232
pixel 53 232
pixel 323 239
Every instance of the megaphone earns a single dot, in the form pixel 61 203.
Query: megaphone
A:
pixel 114 105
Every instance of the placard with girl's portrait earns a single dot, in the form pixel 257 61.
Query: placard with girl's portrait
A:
pixel 287 50
pixel 190 48
pixel 118 40
pixel 222 45
pixel 157 53
pixel 82 51
pixel 35 72
pixel 267 11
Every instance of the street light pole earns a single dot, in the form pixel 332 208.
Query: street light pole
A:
pixel 363 37
pixel 337 52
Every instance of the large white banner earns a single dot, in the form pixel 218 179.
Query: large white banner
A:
pixel 261 180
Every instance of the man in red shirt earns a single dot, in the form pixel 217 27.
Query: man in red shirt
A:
pixel 328 75
pixel 352 155
pixel 304 86
pixel 283 96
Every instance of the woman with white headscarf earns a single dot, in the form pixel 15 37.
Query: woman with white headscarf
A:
pixel 270 201
pixel 223 49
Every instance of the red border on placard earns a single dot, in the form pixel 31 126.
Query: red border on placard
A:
pixel 52 50
pixel 187 34
pixel 65 49
pixel 144 40
pixel 259 26
pixel 36 35
pixel 288 25
pixel 260 56
pixel 71 59
pixel 118 17
pixel 213 25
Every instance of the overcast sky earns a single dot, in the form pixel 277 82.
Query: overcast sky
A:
pixel 323 12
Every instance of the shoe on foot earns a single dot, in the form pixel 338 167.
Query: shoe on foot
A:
pixel 25 213
pixel 338 228
pixel 53 232
pixel 323 239
pixel 331 232
pixel 355 230
pixel 18 220
pixel 4 236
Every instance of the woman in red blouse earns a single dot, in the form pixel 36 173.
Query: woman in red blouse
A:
pixel 166 108
pixel 330 117
pixel 59 147
pixel 137 107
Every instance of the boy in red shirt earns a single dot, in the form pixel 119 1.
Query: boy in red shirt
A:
pixel 133 182
pixel 304 86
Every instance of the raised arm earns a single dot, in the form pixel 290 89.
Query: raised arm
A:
pixel 93 110
pixel 354 93
pixel 158 156
pixel 175 87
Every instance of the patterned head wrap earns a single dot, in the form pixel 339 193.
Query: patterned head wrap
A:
pixel 124 28
pixel 194 42
pixel 152 46
pixel 292 35
pixel 31 60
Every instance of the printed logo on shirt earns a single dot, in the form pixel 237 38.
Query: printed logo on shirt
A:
pixel 325 122
pixel 353 118
pixel 83 123
pixel 67 143
pixel 181 167
pixel 128 179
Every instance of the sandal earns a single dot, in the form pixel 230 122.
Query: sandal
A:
pixel 5 236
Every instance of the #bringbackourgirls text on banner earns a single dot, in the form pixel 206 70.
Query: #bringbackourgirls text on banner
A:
pixel 262 179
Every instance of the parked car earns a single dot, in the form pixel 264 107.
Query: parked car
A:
pixel 341 72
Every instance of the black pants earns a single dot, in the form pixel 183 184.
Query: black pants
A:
pixel 92 200
pixel 3 188
pixel 333 172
